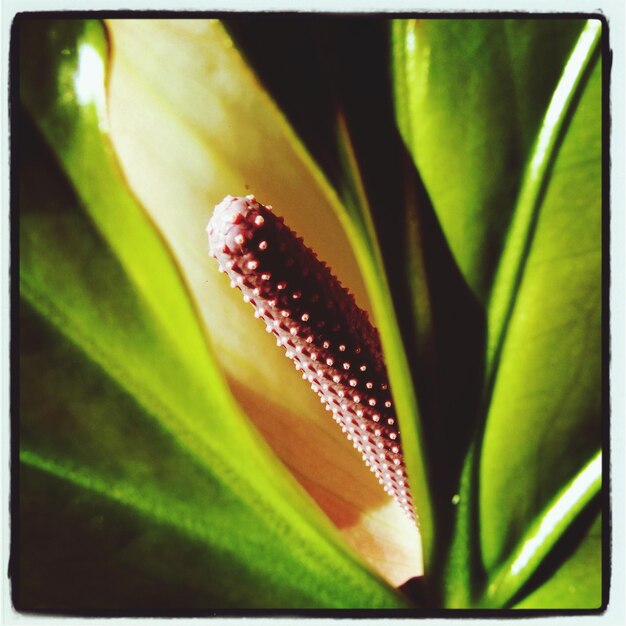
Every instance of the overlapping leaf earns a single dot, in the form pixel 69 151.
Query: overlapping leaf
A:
pixel 544 419
pixel 470 97
pixel 478 112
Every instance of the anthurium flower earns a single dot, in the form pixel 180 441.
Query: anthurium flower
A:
pixel 242 142
pixel 170 456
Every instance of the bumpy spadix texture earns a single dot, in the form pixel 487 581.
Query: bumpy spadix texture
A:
pixel 330 340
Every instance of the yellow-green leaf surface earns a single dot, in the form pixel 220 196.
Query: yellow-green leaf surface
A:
pixel 130 424
pixel 570 586
pixel 544 422
pixel 503 121
pixel 543 535
pixel 470 97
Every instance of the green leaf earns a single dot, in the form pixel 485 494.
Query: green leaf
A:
pixel 519 238
pixel 541 536
pixel 503 122
pixel 577 582
pixel 125 360
pixel 544 419
pixel 470 96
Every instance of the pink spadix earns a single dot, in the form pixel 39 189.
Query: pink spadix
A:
pixel 317 322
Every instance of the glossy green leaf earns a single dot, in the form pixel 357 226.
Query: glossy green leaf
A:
pixel 572 585
pixel 119 319
pixel 470 97
pixel 544 420
pixel 542 536
pixel 503 121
